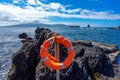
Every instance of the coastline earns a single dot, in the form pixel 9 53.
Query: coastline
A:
pixel 89 57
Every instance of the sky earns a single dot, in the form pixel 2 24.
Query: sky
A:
pixel 97 13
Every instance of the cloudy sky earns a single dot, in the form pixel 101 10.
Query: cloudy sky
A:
pixel 100 13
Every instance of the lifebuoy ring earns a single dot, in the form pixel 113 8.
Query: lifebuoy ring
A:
pixel 49 60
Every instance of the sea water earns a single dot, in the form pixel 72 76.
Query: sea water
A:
pixel 10 43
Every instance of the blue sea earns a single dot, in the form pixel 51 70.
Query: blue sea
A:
pixel 10 43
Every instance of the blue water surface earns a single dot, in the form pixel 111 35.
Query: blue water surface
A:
pixel 10 43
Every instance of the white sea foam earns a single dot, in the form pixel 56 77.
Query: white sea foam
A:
pixel 8 39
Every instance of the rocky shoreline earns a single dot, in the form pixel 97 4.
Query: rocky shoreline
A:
pixel 92 60
pixel 116 28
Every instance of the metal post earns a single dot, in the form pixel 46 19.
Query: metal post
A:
pixel 57 58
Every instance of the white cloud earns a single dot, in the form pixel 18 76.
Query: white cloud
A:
pixel 55 6
pixel 18 1
pixel 73 10
pixel 15 1
pixel 51 6
pixel 99 15
pixel 11 13
pixel 41 13
pixel 32 2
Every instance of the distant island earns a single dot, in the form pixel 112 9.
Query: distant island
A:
pixel 115 28
pixel 87 27
pixel 75 26
pixel 34 24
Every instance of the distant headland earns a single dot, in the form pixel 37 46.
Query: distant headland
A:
pixel 75 26
pixel 115 28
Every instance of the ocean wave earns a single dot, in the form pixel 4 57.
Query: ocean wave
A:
pixel 8 39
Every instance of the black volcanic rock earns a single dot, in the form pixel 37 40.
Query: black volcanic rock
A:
pixel 23 36
pixel 115 28
pixel 88 26
pixel 25 60
pixel 107 48
pixel 118 28
pixel 91 59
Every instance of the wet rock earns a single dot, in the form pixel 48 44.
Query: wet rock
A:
pixel 115 28
pixel 83 43
pixel 113 56
pixel 97 62
pixel 90 58
pixel 26 59
pixel 107 48
pixel 23 36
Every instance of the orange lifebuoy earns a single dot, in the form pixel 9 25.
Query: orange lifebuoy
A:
pixel 49 60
